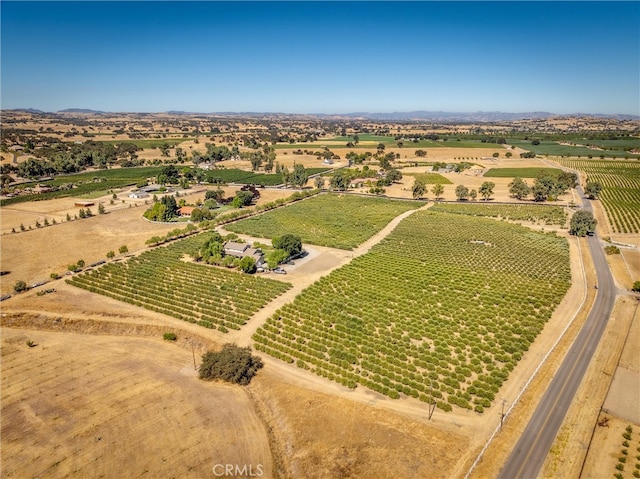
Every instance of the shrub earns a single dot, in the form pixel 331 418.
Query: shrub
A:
pixel 20 286
pixel 169 336
pixel 31 344
pixel 232 364
pixel 611 250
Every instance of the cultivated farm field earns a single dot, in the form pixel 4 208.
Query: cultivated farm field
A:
pixel 430 178
pixel 337 221
pixel 550 215
pixel 520 172
pixel 160 280
pixel 442 309
pixel 620 194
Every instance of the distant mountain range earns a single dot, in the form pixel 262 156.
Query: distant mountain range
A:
pixel 477 116
pixel 443 116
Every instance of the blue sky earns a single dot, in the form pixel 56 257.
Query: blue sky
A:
pixel 325 57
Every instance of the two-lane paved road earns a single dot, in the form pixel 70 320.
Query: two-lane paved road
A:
pixel 530 451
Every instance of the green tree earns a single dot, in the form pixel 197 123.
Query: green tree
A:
pixel 419 189
pixel 232 364
pixel 157 212
pixel 290 243
pixel 111 254
pixel 473 194
pixel 248 265
pixel 217 195
pixel 462 192
pixel 171 205
pixel 593 189
pixel 19 286
pixel 101 210
pixel 486 189
pixel 211 251
pixel 519 189
pixel 123 249
pixel 421 153
pixel 437 190
pixel 567 180
pixel 319 182
pixel 202 214
pixel 339 182
pixel 582 223
pixel 394 175
pixel 242 199
pixel 169 175
pixel 544 188
pixel 256 160
pixel 636 287
pixel 299 176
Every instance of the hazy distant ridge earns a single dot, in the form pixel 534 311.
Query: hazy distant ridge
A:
pixel 478 116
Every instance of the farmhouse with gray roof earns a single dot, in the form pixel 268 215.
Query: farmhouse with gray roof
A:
pixel 240 250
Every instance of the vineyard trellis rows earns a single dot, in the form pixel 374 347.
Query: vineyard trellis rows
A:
pixel 159 280
pixel 620 193
pixel 338 221
pixel 442 308
pixel 550 215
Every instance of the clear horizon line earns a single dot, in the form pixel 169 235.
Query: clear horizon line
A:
pixel 391 112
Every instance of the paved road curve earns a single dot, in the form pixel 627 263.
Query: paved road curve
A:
pixel 530 451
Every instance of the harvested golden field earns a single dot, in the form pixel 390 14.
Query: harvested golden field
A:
pixel 100 406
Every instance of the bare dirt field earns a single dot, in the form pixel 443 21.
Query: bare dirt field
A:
pixel 620 409
pixel 323 436
pixel 103 406
pixel 33 255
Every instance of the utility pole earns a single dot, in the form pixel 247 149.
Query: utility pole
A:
pixel 432 402
pixel 502 413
